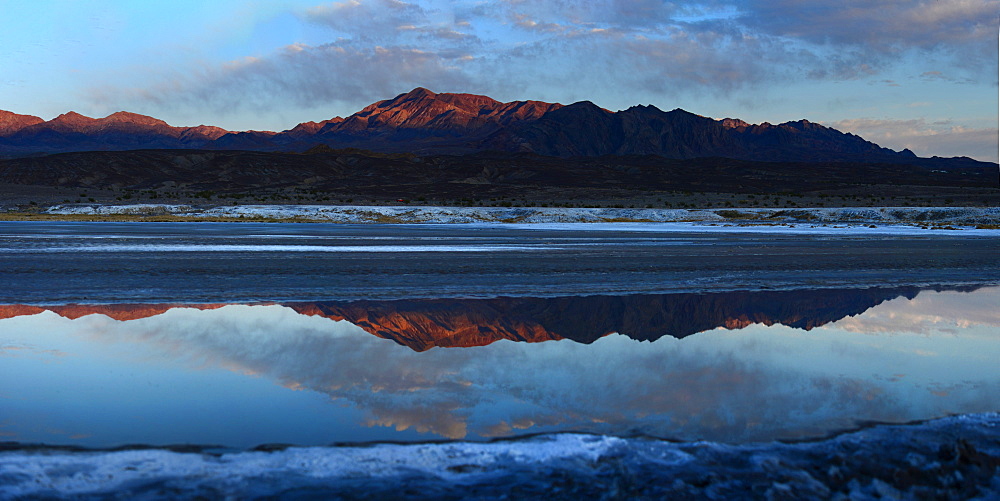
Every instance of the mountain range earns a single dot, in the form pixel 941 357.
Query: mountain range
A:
pixel 424 122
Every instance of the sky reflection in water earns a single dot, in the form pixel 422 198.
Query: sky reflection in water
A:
pixel 242 375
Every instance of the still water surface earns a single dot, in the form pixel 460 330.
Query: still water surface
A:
pixel 244 334
pixel 243 375
pixel 58 263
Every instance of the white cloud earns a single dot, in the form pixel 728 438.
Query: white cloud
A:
pixel 563 51
pixel 927 313
pixel 927 139
pixel 304 76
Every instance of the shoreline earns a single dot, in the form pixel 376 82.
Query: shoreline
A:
pixel 945 218
pixel 954 455
pixel 864 428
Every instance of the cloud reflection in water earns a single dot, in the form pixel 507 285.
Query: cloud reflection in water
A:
pixel 756 383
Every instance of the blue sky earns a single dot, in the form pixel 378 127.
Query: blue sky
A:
pixel 916 74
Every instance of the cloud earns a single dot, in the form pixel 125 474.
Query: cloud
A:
pixel 392 22
pixel 705 386
pixel 623 14
pixel 720 47
pixel 378 49
pixel 927 313
pixel 931 76
pixel 564 51
pixel 305 76
pixel 522 21
pixel 371 20
pixel 840 39
pixel 882 26
pixel 879 34
pixel 927 139
pixel 585 63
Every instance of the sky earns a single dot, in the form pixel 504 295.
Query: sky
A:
pixel 921 74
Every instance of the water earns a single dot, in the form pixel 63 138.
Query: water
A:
pixel 57 263
pixel 240 376
pixel 224 337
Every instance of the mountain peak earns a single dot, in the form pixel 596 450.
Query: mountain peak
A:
pixel 585 105
pixel 308 128
pixel 804 125
pixel 12 122
pixel 420 92
pixel 209 132
pixel 423 109
pixel 134 118
pixel 72 117
pixel 417 95
pixel 733 123
pixel 644 107
pixel 684 113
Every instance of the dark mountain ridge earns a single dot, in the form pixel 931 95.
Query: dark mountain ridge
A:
pixel 583 129
pixel 427 123
pixel 352 172
pixel 422 324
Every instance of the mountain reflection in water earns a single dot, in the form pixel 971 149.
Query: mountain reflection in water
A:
pixel 206 373
pixel 422 324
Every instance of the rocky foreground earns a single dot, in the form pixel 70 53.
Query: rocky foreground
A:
pixel 951 458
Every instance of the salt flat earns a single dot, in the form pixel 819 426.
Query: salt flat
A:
pixel 57 262
pixel 968 216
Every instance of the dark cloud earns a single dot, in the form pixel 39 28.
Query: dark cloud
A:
pixel 963 32
pixel 885 26
pixel 439 35
pixel 830 39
